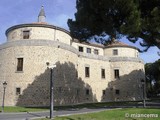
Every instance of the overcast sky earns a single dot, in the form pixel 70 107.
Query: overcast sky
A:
pixel 13 12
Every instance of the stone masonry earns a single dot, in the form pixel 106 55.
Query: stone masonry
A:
pixel 85 72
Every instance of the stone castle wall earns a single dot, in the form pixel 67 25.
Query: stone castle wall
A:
pixel 122 52
pixel 35 58
pixel 70 84
pixel 85 46
pixel 38 33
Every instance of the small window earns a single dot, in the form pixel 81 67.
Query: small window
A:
pixel 115 52
pixel 103 92
pixel 18 91
pixel 116 73
pixel 96 51
pixel 76 73
pixel 87 91
pixel 117 92
pixel 26 34
pixel 88 50
pixel 77 91
pixel 80 49
pixel 103 73
pixel 86 71
pixel 19 64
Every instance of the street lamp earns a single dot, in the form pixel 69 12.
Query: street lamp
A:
pixel 143 87
pixel 51 67
pixel 4 90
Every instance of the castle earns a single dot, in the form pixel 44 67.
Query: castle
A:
pixel 84 72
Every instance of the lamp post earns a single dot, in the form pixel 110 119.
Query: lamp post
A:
pixel 143 88
pixel 4 90
pixel 51 67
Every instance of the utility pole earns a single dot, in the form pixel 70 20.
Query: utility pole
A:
pixel 144 95
pixel 51 67
pixel 4 90
pixel 51 95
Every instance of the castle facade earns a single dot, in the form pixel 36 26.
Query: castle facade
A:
pixel 84 72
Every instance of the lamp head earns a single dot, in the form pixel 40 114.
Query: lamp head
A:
pixel 4 84
pixel 47 63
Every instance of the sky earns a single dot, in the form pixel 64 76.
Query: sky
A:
pixel 14 12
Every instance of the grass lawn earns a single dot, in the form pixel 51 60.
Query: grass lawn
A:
pixel 86 105
pixel 22 109
pixel 117 114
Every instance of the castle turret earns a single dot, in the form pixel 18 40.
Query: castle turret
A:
pixel 41 16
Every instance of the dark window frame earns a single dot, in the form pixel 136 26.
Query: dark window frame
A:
pixel 77 92
pixel 87 72
pixel 76 74
pixel 87 91
pixel 26 34
pixel 80 49
pixel 116 73
pixel 18 91
pixel 104 92
pixel 20 64
pixel 88 50
pixel 96 51
pixel 117 92
pixel 115 51
pixel 103 73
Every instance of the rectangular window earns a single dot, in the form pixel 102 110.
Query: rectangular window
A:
pixel 19 64
pixel 77 92
pixel 88 50
pixel 87 91
pixel 103 73
pixel 80 49
pixel 103 92
pixel 76 73
pixel 115 52
pixel 96 51
pixel 116 73
pixel 26 34
pixel 86 71
pixel 18 91
pixel 117 92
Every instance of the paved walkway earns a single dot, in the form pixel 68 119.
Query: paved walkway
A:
pixel 31 115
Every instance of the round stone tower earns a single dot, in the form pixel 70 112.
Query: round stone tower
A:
pixel 23 61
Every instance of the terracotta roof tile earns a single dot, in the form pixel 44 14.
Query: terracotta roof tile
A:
pixel 116 43
pixel 113 43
